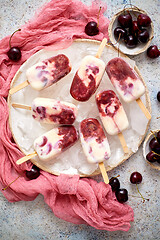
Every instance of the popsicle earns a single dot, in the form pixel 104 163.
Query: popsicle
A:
pixel 88 76
pixel 127 82
pixel 112 115
pixel 52 143
pixel 46 110
pixel 45 73
pixel 95 144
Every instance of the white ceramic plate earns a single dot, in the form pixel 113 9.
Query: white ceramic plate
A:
pixel 73 161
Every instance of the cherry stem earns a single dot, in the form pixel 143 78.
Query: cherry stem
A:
pixel 154 135
pixel 140 193
pixel 116 41
pixel 98 16
pixel 12 36
pixel 116 176
pixel 139 197
pixel 156 153
pixel 3 189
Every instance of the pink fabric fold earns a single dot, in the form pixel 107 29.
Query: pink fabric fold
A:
pixel 80 201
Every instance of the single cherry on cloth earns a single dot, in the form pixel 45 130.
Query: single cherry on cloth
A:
pixel 136 178
pixel 14 53
pixel 91 28
pixel 122 195
pixel 153 52
pixel 33 173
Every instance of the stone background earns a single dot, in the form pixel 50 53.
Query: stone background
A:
pixel 35 220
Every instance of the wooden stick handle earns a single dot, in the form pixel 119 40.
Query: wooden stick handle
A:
pixel 143 108
pixel 104 173
pixel 25 158
pixel 23 106
pixel 18 87
pixel 101 47
pixel 123 142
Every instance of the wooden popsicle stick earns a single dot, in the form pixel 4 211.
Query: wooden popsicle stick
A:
pixel 101 47
pixel 104 173
pixel 123 142
pixel 143 108
pixel 18 87
pixel 23 106
pixel 25 158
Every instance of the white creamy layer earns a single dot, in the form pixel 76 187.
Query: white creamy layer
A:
pixel 84 70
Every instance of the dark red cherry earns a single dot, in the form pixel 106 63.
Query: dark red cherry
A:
pixel 134 27
pixel 122 195
pixel 131 41
pixel 120 33
pixel 14 54
pixel 152 157
pixel 33 173
pixel 125 20
pixel 158 135
pixel 91 28
pixel 115 184
pixel 154 145
pixel 153 52
pixel 143 20
pixel 143 36
pixel 136 178
pixel 158 160
pixel 158 96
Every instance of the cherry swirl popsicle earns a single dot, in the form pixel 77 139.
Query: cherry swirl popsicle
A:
pixel 95 144
pixel 51 111
pixel 52 143
pixel 112 115
pixel 127 82
pixel 45 73
pixel 88 76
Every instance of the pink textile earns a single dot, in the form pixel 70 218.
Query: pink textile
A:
pixel 80 201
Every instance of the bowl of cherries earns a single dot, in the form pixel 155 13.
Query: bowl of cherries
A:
pixel 131 31
pixel 151 149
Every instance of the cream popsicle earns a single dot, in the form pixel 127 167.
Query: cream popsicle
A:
pixel 111 112
pixel 87 78
pixel 47 110
pixel 94 142
pixel 52 143
pixel 52 111
pixel 45 73
pixel 112 115
pixel 126 81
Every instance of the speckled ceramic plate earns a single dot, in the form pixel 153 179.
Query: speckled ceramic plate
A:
pixel 141 47
pixel 73 161
pixel 146 149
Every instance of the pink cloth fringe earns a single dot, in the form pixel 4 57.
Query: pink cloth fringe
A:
pixel 80 201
